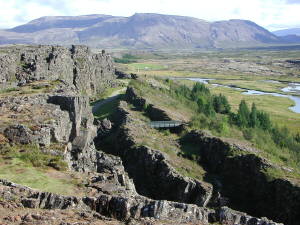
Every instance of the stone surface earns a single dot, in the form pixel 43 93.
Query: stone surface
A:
pixel 121 208
pixel 244 181
pixel 123 75
pixel 151 172
pixel 77 67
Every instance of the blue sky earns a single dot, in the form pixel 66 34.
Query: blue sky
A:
pixel 272 14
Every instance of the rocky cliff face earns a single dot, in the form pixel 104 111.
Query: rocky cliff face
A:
pixel 129 209
pixel 244 179
pixel 77 67
pixel 154 177
pixel 152 173
pixel 61 105
pixel 53 113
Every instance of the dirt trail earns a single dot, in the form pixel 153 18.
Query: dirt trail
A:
pixel 110 98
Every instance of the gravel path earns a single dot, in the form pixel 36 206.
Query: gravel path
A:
pixel 110 98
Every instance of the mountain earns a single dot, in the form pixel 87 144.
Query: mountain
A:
pixel 142 30
pixel 285 32
pixel 291 38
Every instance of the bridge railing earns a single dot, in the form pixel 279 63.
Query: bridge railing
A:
pixel 165 124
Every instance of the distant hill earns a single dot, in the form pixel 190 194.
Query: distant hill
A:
pixel 141 30
pixel 291 38
pixel 285 32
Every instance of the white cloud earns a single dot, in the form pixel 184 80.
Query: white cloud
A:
pixel 268 13
pixel 293 1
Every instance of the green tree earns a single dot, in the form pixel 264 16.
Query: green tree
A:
pixel 199 89
pixel 201 103
pixel 297 137
pixel 253 116
pixel 264 120
pixel 209 109
pixel 225 104
pixel 217 104
pixel 221 104
pixel 243 115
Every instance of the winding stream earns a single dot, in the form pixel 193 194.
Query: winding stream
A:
pixel 291 88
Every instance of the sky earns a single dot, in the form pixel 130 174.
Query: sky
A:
pixel 271 14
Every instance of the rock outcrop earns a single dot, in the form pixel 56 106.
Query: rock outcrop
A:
pixel 126 209
pixel 244 180
pixel 77 67
pixel 123 75
pixel 153 112
pixel 151 172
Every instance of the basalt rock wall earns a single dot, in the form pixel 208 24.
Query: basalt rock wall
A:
pixel 154 113
pixel 150 170
pixel 127 208
pixel 77 66
pixel 245 182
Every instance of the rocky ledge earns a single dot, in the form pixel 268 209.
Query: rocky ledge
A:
pixel 243 178
pixel 132 209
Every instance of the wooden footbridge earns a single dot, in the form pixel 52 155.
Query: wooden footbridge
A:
pixel 166 124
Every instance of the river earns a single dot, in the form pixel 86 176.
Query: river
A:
pixel 291 88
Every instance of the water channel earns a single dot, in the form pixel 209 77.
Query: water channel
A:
pixel 291 88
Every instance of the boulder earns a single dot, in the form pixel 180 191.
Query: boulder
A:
pixel 23 135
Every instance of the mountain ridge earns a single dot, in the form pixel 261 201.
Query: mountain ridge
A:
pixel 141 30
pixel 285 32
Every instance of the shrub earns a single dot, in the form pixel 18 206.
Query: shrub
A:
pixel 248 134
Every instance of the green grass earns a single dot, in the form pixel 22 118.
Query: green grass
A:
pixel 27 165
pixel 35 87
pixel 22 173
pixel 107 109
pixel 8 90
pixel 107 93
pixel 31 154
pixel 159 96
pixel 253 84
pixel 277 107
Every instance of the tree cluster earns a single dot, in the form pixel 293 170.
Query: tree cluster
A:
pixel 250 121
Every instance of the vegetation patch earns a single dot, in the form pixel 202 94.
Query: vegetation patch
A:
pixel 244 122
pixel 126 59
pixel 27 165
pixel 19 172
pixel 32 155
pixel 109 108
